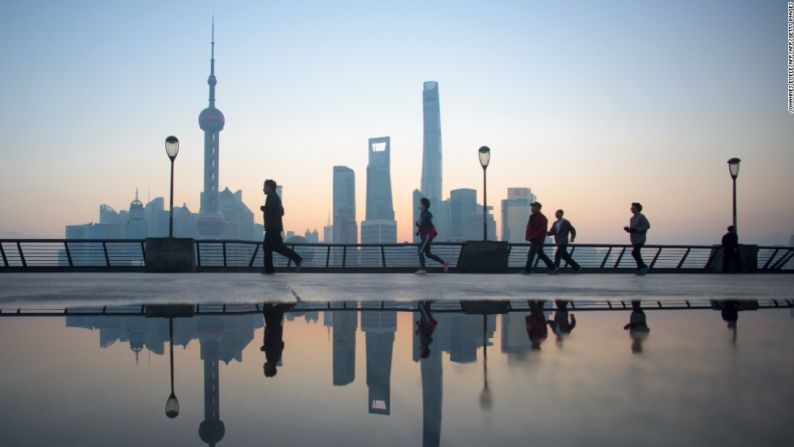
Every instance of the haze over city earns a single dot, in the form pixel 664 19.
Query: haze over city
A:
pixel 592 106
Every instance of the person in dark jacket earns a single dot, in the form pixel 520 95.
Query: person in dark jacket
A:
pixel 563 322
pixel 273 212
pixel 637 327
pixel 427 232
pixel 730 251
pixel 562 229
pixel 638 228
pixel 273 343
pixel 537 228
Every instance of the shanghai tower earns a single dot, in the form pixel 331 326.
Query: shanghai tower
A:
pixel 431 152
pixel 210 222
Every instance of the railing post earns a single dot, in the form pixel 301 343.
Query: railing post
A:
pixel 383 256
pixel 327 256
pixel 198 254
pixel 769 261
pixel 681 262
pixel 783 260
pixel 604 261
pixel 224 252
pixel 344 255
pixel 3 253
pixel 68 253
pixel 253 257
pixel 143 251
pixel 21 255
pixel 105 251
pixel 656 257
pixel 620 257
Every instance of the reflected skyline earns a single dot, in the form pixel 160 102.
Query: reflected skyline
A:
pixel 224 338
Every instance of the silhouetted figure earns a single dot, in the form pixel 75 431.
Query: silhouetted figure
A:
pixel 537 227
pixel 730 251
pixel 273 212
pixel 637 327
pixel 563 323
pixel 729 311
pixel 562 229
pixel 427 232
pixel 638 228
pixel 536 324
pixel 425 327
pixel 273 343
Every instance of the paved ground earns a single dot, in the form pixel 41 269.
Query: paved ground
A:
pixel 75 289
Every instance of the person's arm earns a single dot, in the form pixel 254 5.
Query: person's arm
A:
pixel 573 322
pixel 573 232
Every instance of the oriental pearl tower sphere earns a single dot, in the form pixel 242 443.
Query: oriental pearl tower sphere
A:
pixel 210 222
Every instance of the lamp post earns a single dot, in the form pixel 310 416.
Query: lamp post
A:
pixel 733 168
pixel 172 404
pixel 171 148
pixel 486 400
pixel 485 158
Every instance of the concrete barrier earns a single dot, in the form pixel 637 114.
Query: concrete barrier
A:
pixel 483 257
pixel 748 258
pixel 170 255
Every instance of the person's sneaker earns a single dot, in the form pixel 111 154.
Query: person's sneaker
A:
pixel 577 269
pixel 554 271
pixel 446 267
pixel 298 265
pixel 420 272
pixel 525 273
pixel 644 270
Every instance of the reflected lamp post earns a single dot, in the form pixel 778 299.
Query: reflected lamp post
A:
pixel 485 158
pixel 172 404
pixel 733 168
pixel 486 401
pixel 171 148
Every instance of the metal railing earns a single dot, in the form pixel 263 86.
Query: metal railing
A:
pixel 231 255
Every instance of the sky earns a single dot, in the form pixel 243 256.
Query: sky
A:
pixel 593 105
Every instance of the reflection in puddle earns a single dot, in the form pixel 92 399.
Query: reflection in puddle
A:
pixel 569 391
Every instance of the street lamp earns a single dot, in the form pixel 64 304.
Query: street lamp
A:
pixel 171 148
pixel 172 404
pixel 485 158
pixel 733 168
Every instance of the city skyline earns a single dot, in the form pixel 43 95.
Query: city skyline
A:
pixel 627 121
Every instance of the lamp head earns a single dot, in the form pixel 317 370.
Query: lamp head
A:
pixel 733 167
pixel 171 147
pixel 485 156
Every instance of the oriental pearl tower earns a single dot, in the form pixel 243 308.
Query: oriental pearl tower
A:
pixel 210 221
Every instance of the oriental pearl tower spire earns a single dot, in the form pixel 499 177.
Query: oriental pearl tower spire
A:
pixel 210 222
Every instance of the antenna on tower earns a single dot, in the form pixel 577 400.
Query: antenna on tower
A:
pixel 213 37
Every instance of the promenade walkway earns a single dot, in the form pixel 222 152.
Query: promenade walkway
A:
pixel 97 289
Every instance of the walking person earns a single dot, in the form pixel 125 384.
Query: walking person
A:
pixel 730 251
pixel 536 324
pixel 273 212
pixel 427 232
pixel 638 228
pixel 561 230
pixel 537 228
pixel 425 328
pixel 273 342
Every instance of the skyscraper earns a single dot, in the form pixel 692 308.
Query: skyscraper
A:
pixel 462 205
pixel 344 204
pixel 431 150
pixel 515 213
pixel 379 327
pixel 210 222
pixel 379 226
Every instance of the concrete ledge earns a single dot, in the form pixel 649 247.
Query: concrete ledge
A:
pixel 170 255
pixel 483 257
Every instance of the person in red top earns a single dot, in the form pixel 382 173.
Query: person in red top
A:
pixel 536 324
pixel 537 227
